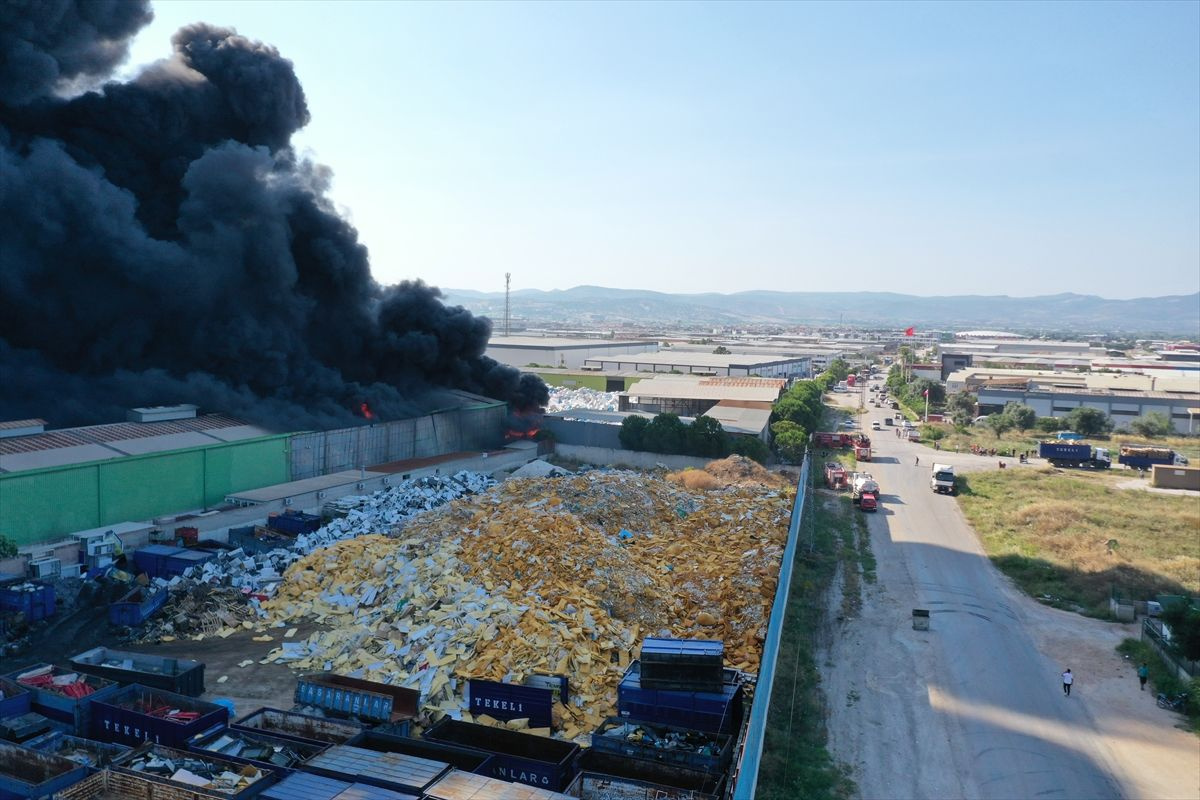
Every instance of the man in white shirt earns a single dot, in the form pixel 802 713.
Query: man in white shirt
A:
pixel 1068 679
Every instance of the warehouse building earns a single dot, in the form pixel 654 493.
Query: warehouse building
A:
pixel 1123 405
pixel 559 352
pixel 708 364
pixel 172 460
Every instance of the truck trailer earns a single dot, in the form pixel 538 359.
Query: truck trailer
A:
pixel 1075 454
pixel 1140 457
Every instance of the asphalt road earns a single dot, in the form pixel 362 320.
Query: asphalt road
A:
pixel 970 708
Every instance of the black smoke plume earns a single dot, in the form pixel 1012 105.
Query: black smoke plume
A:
pixel 161 242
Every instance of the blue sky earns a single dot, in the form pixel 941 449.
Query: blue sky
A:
pixel 944 148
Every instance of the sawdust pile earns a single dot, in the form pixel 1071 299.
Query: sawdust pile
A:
pixel 732 471
pixel 557 576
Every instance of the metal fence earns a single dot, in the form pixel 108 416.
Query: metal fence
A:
pixel 1152 634
pixel 747 778
pixel 452 431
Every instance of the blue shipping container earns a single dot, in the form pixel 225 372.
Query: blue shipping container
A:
pixel 73 712
pixel 26 773
pixel 133 715
pixel 394 771
pixel 152 559
pixel 302 786
pixel 358 699
pixel 136 607
pixel 261 750
pixel 516 757
pixel 505 701
pixel 180 675
pixel 711 712
pixel 302 727
pixel 92 754
pixel 294 522
pixel 461 758
pixel 35 600
pixel 181 562
pixel 14 698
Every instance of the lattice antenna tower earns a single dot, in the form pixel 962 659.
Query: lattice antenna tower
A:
pixel 507 301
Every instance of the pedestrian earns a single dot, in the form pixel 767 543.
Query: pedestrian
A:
pixel 1143 674
pixel 1068 679
pixel 918 461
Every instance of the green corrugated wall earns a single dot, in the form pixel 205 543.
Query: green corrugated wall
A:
pixel 40 505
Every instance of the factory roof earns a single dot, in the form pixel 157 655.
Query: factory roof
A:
pixel 749 421
pixel 563 342
pixel 281 491
pixel 99 442
pixel 694 387
pixel 1092 392
pixel 671 357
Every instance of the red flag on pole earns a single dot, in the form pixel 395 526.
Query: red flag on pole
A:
pixel 926 393
pixel 910 331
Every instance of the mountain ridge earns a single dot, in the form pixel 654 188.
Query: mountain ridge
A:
pixel 1175 315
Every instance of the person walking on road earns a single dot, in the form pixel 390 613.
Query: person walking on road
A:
pixel 918 461
pixel 1068 679
pixel 1143 674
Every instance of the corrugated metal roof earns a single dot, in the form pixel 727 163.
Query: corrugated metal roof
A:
pixel 13 424
pixel 115 432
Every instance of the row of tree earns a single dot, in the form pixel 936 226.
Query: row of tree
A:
pixel 704 437
pixel 800 410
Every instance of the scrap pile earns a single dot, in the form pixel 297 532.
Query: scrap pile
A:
pixel 68 684
pixel 562 575
pixel 240 746
pixel 223 595
pixel 185 768
pixel 563 399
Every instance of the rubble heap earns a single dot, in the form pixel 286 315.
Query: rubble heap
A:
pixel 563 399
pixel 561 575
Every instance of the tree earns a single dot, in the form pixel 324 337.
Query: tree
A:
pixel 790 441
pixel 999 423
pixel 1089 421
pixel 633 432
pixel 666 433
pixel 915 393
pixel 750 447
pixel 1023 417
pixel 961 408
pixel 1152 425
pixel 8 548
pixel 1184 621
pixel 721 350
pixel 706 438
pixel 839 368
pixel 1049 424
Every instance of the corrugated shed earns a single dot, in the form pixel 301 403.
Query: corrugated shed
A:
pixel 116 432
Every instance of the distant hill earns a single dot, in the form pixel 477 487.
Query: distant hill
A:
pixel 1177 315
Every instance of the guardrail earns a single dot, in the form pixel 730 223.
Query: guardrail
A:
pixel 751 758
pixel 1152 635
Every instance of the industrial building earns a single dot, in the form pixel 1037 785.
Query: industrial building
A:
pixel 1122 397
pixel 58 482
pixel 706 363
pixel 742 405
pixel 559 352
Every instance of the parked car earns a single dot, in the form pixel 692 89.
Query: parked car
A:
pixel 875 425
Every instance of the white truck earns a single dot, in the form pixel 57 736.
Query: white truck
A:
pixel 942 479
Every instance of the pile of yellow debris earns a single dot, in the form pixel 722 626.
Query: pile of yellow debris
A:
pixel 542 576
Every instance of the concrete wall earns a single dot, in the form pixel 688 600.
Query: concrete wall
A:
pixel 608 455
pixel 453 431
pixel 1168 477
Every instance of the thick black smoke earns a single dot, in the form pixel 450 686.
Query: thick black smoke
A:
pixel 160 242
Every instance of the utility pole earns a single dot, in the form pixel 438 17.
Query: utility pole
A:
pixel 507 302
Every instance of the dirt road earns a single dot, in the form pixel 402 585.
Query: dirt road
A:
pixel 974 707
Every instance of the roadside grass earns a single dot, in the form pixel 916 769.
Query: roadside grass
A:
pixel 1017 441
pixel 1162 678
pixel 1071 539
pixel 796 762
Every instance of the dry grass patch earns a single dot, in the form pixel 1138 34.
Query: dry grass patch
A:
pixel 1071 538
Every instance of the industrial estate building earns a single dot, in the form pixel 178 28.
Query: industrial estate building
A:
pixel 559 352
pixel 55 483
pixel 715 364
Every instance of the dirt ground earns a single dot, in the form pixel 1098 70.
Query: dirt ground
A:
pixel 973 708
pixel 250 687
